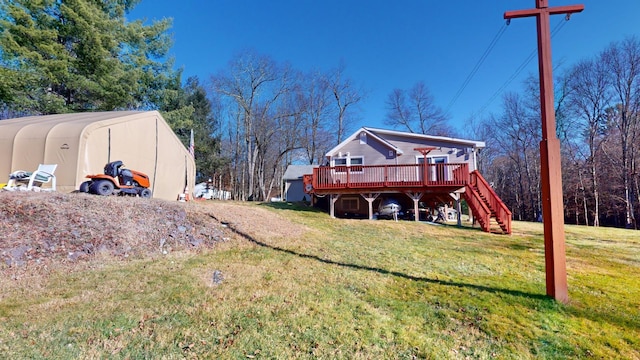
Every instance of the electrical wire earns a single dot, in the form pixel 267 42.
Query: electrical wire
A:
pixel 475 69
pixel 520 68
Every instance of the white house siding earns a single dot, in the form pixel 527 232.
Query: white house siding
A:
pixel 293 186
pixel 376 153
pixel 453 153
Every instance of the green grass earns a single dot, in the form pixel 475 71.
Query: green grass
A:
pixel 341 289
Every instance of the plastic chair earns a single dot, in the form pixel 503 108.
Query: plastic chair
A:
pixel 43 175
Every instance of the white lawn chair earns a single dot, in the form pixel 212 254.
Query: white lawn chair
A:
pixel 36 179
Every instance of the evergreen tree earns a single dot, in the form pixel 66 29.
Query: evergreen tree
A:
pixel 188 108
pixel 79 55
pixel 206 127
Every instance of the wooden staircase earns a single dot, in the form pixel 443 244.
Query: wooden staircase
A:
pixel 490 212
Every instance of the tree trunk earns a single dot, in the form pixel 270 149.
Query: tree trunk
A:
pixel 596 195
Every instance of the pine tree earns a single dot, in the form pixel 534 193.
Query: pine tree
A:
pixel 79 55
pixel 187 107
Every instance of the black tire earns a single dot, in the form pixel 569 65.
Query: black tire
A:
pixel 84 187
pixel 102 187
pixel 145 193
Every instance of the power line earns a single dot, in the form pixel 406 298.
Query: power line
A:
pixel 475 69
pixel 520 68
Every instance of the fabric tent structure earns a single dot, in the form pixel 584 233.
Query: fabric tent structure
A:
pixel 82 143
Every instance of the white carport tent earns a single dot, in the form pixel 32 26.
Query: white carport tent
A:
pixel 82 143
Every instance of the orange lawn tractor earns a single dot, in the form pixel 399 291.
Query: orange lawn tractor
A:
pixel 117 180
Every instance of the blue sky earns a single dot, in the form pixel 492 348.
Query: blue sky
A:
pixel 390 44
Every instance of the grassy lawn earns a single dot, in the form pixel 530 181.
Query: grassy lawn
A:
pixel 353 289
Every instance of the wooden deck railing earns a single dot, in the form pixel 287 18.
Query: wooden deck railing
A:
pixel 482 199
pixel 386 176
pixel 480 210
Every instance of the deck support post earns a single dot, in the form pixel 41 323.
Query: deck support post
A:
pixel 456 197
pixel 332 204
pixel 371 197
pixel 415 196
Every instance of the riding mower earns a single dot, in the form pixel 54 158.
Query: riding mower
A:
pixel 117 180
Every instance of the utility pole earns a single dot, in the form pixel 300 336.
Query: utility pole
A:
pixel 550 169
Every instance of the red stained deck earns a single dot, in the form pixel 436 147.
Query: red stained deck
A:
pixel 433 179
pixel 412 177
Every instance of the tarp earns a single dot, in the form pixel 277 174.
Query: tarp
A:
pixel 82 143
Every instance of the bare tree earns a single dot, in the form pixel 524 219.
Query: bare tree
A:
pixel 598 123
pixel 515 133
pixel 278 135
pixel 255 85
pixel 315 98
pixel 623 63
pixel 346 97
pixel 478 129
pixel 233 150
pixel 588 99
pixel 415 111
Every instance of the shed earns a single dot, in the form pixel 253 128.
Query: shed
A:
pixel 82 143
pixel 293 186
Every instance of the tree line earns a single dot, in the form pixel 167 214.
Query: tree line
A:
pixel 249 120
pixel 597 106
pixel 83 55
pixel 257 115
pixel 275 115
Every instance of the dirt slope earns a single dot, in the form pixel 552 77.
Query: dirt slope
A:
pixel 42 227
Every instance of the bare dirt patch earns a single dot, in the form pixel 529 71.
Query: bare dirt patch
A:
pixel 257 222
pixel 41 229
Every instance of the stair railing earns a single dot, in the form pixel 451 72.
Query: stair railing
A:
pixel 502 212
pixel 480 210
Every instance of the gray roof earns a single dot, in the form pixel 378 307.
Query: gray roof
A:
pixel 380 134
pixel 295 172
pixel 474 143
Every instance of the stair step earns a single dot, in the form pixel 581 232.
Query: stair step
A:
pixel 487 199
pixel 494 224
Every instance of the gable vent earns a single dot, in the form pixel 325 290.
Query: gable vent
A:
pixel 363 137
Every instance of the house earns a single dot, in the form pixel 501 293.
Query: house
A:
pixel 82 143
pixel 292 179
pixel 374 165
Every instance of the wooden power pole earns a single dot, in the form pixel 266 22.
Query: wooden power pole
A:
pixel 550 169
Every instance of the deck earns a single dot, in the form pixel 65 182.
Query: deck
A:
pixel 414 180
pixel 388 178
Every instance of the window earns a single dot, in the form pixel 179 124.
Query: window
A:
pixel 340 164
pixel 354 163
pixel 350 204
pixel 435 173
pixel 438 173
pixel 432 159
pixel 437 160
